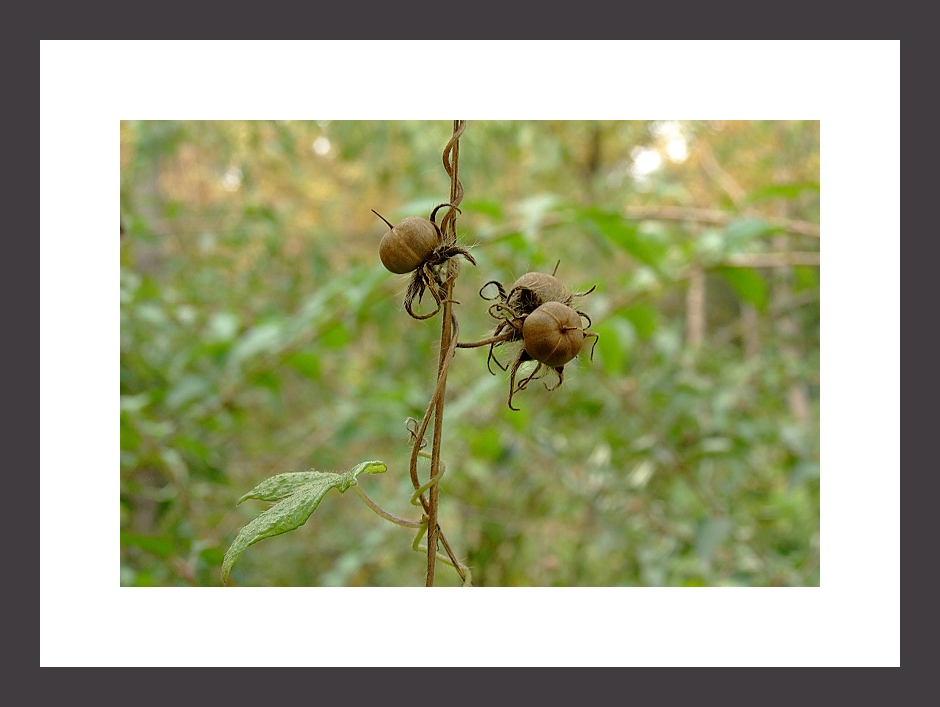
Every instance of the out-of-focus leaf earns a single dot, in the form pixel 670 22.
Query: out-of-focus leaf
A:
pixel 711 533
pixel 223 326
pixel 263 338
pixel 269 380
pixel 534 208
pixel 749 285
pixel 134 403
pixel 711 246
pixel 805 278
pixel 802 472
pixel 486 444
pixel 716 445
pixel 616 337
pixel 334 337
pixel 483 206
pixel 189 388
pixel 297 495
pixel 643 317
pixel 261 212
pixel 626 235
pixel 162 547
pixel 422 206
pixel 781 191
pixel 305 362
pixel 212 556
pixel 745 229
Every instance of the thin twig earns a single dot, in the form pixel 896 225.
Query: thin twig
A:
pixel 772 260
pixel 664 213
pixel 716 217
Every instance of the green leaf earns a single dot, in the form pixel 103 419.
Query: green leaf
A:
pixel 745 229
pixel 643 317
pixel 805 278
pixel 626 235
pixel 711 534
pixel 749 285
pixel 781 191
pixel 262 338
pixel 308 364
pixel 297 495
pixel 488 207
pixel 617 336
pixel 162 547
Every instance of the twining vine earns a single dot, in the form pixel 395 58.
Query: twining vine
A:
pixel 535 311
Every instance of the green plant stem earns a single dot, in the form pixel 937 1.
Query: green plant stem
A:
pixel 461 568
pixel 425 486
pixel 385 514
pixel 422 528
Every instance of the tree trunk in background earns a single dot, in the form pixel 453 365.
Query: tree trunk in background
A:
pixel 786 325
pixel 750 329
pixel 148 257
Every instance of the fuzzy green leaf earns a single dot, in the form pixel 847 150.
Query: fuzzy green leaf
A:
pixel 297 495
pixel 281 486
pixel 749 285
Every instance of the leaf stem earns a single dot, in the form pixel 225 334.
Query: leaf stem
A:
pixel 385 514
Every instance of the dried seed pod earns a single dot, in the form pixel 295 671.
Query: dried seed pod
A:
pixel 409 244
pixel 544 288
pixel 552 334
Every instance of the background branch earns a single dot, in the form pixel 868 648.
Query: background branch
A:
pixel 716 217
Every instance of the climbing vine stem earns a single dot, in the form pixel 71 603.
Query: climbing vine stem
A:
pixel 449 332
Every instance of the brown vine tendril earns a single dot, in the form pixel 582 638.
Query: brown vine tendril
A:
pixel 450 157
pixel 417 432
pixel 449 331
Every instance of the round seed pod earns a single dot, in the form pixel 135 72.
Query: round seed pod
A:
pixel 408 245
pixel 546 288
pixel 552 334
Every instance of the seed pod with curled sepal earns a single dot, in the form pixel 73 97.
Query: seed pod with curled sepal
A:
pixel 552 334
pixel 409 244
pixel 417 246
pixel 538 288
pixel 529 292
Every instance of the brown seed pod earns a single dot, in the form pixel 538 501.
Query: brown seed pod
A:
pixel 543 288
pixel 409 244
pixel 552 334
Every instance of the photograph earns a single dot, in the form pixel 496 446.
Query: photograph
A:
pixel 470 353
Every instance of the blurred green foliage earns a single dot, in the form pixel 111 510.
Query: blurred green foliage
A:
pixel 260 335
